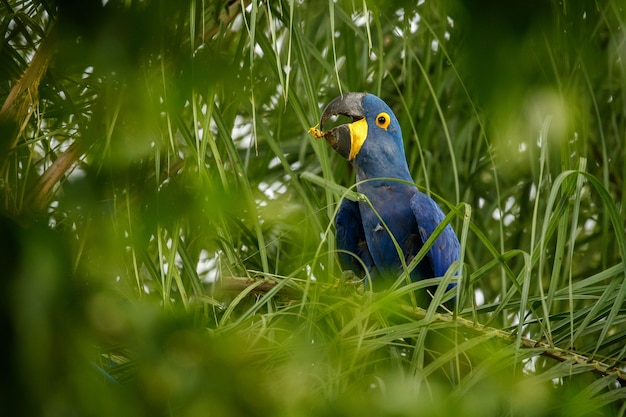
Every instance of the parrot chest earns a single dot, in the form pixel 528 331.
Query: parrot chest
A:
pixel 392 214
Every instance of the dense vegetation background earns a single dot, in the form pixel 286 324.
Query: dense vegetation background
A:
pixel 152 148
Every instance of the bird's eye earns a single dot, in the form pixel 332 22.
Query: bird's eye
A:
pixel 382 120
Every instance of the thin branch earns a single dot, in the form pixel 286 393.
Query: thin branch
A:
pixel 544 349
pixel 24 95
pixel 552 352
pixel 237 285
pixel 42 191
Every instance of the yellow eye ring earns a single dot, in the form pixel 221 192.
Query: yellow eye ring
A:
pixel 383 120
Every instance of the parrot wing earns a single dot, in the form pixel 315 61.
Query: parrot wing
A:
pixel 354 254
pixel 446 248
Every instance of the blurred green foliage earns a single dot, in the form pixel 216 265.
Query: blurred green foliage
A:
pixel 151 148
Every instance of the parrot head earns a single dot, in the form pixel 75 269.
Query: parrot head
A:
pixel 372 141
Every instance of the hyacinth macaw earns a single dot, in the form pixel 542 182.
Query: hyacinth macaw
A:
pixel 372 142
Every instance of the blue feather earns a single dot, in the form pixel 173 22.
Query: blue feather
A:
pixel 354 254
pixel 446 248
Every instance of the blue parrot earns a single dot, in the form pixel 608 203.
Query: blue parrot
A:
pixel 372 142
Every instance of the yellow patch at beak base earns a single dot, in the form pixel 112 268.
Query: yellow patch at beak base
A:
pixel 358 133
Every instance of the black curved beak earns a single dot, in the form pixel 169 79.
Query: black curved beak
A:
pixel 340 137
pixel 349 104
